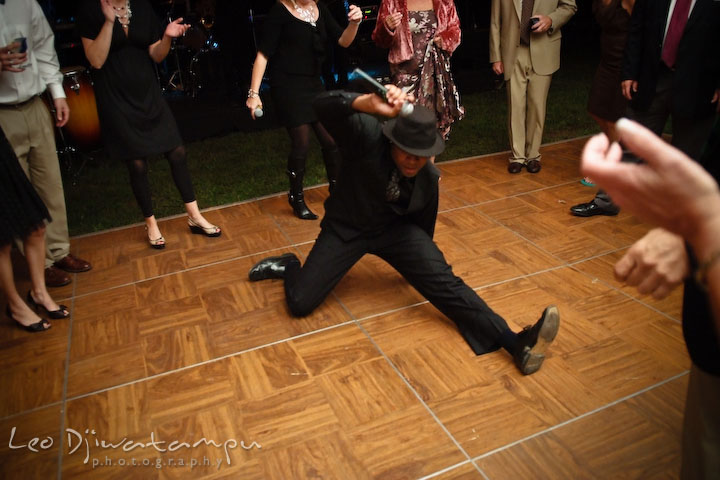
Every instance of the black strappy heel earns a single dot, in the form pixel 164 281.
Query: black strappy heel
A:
pixel 58 314
pixel 36 327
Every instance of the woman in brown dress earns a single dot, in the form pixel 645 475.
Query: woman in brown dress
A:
pixel 607 103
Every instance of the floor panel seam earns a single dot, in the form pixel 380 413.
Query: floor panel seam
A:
pixel 582 416
pixel 416 394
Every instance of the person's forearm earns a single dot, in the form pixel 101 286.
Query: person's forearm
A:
pixel 495 32
pixel 258 72
pixel 96 51
pixel 366 103
pixel 159 50
pixel 335 110
pixel 348 34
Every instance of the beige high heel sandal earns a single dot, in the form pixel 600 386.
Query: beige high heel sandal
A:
pixel 211 231
pixel 156 243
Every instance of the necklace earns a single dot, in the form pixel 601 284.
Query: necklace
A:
pixel 123 18
pixel 306 14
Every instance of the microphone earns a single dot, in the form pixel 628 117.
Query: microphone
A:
pixel 259 112
pixel 407 108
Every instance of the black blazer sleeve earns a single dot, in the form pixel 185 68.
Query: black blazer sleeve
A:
pixel 346 125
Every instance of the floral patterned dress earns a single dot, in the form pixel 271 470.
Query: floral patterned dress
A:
pixel 427 74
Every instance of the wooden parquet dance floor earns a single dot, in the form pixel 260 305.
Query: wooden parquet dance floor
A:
pixel 167 348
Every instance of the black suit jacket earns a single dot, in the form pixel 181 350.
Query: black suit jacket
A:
pixel 697 68
pixel 358 205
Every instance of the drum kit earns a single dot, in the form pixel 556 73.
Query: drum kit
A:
pixel 185 68
pixel 181 72
pixel 81 134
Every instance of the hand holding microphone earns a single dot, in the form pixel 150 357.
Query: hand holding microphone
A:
pixel 407 107
pixel 254 104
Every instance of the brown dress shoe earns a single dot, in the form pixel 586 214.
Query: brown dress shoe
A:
pixel 533 166
pixel 73 264
pixel 515 167
pixel 54 277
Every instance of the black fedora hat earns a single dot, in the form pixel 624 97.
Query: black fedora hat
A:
pixel 416 133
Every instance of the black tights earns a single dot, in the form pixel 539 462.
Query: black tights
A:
pixel 138 170
pixel 300 143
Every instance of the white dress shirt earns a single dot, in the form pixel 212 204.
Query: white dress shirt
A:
pixel 25 18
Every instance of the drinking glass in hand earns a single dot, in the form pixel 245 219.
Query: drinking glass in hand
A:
pixel 22 48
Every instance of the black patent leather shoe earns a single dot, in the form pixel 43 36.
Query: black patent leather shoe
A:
pixel 515 167
pixel 300 208
pixel 272 267
pixel 591 209
pixel 533 341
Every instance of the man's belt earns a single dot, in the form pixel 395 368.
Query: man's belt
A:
pixel 18 105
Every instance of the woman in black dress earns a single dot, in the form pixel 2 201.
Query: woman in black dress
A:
pixel 295 35
pixel 121 39
pixel 23 215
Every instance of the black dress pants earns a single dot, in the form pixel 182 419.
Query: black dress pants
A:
pixel 689 134
pixel 411 251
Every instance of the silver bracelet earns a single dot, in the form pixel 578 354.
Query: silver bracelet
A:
pixel 253 94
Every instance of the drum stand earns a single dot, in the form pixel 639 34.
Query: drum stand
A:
pixel 196 84
pixel 69 153
pixel 66 152
pixel 176 81
pixel 185 55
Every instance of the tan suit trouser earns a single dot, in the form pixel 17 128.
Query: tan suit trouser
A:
pixel 29 129
pixel 527 93
pixel 701 427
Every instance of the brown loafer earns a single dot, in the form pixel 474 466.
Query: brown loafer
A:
pixel 533 166
pixel 72 264
pixel 54 277
pixel 515 167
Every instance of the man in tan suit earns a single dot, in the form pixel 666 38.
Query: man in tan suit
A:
pixel 525 48
pixel 28 126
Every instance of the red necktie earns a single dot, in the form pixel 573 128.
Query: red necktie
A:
pixel 675 31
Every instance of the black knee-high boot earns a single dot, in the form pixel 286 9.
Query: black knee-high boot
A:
pixel 296 198
pixel 331 157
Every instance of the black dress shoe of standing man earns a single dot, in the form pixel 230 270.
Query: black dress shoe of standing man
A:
pixel 272 267
pixel 592 208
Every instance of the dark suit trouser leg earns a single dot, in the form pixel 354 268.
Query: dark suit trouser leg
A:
pixel 654 118
pixel 691 134
pixel 326 264
pixel 657 114
pixel 411 251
